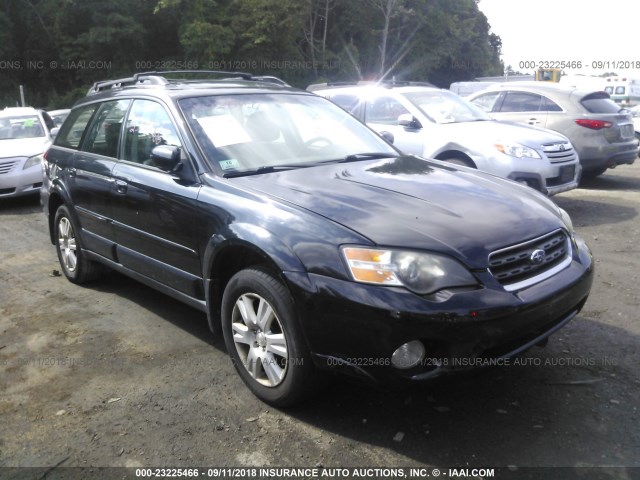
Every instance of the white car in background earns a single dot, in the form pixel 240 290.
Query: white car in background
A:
pixel 25 135
pixel 434 123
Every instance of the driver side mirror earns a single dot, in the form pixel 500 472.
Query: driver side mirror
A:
pixel 409 121
pixel 54 132
pixel 165 157
pixel 387 136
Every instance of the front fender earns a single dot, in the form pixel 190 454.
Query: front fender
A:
pixel 253 242
pixel 56 194
pixel 255 238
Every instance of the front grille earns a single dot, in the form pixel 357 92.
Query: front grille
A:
pixel 518 264
pixel 559 152
pixel 7 165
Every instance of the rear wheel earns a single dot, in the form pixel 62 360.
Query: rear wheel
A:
pixel 75 266
pixel 263 338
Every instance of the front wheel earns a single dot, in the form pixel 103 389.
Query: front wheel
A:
pixel 263 338
pixel 75 266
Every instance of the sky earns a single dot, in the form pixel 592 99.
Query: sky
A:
pixel 604 36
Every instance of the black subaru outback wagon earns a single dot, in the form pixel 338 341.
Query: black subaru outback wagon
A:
pixel 309 241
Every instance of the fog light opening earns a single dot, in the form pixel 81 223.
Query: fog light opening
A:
pixel 408 355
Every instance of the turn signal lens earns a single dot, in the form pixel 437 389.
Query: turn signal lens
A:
pixel 593 124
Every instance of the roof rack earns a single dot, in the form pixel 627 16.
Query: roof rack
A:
pixel 158 78
pixel 405 83
pixel 380 83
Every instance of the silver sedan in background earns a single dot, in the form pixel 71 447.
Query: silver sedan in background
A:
pixel 601 131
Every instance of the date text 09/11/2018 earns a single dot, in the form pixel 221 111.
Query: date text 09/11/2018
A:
pixel 579 64
pixel 314 473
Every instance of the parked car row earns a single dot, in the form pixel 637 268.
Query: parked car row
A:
pixel 313 244
pixel 584 132
pixel 435 123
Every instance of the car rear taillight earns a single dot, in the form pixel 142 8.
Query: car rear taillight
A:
pixel 593 124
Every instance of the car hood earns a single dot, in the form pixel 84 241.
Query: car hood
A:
pixel 23 147
pixel 413 203
pixel 492 131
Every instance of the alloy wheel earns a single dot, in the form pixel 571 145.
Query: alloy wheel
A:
pixel 259 339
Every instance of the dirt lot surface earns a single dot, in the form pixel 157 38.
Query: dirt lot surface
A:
pixel 115 374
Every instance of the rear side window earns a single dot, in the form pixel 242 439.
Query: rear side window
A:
pixel 599 102
pixel 550 106
pixel 528 102
pixel 384 110
pixel 522 102
pixel 70 133
pixel 349 103
pixel 486 101
pixel 103 134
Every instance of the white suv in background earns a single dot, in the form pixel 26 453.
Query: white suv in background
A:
pixel 434 123
pixel 25 135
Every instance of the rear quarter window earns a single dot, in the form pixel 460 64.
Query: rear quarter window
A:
pixel 599 102
pixel 348 102
pixel 71 132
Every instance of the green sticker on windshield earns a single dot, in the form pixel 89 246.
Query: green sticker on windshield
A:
pixel 230 164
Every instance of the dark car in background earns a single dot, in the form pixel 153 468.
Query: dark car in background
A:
pixel 310 242
pixel 601 131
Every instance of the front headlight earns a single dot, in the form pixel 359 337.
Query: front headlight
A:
pixel 517 150
pixel 31 161
pixel 421 273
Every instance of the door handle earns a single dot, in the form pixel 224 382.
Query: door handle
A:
pixel 121 186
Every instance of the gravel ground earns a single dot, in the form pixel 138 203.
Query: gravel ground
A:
pixel 115 374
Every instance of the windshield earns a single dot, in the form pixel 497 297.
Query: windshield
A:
pixel 27 126
pixel 253 132
pixel 441 106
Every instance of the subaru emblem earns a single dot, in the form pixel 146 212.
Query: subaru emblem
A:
pixel 537 257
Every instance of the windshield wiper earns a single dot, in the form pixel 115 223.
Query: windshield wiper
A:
pixel 268 169
pixel 290 166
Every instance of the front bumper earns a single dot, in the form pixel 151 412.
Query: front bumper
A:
pixel 17 182
pixel 356 328
pixel 540 174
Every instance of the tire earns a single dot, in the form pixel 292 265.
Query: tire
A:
pixel 264 341
pixel 75 266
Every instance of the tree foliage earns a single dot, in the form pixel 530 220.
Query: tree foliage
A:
pixel 57 48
